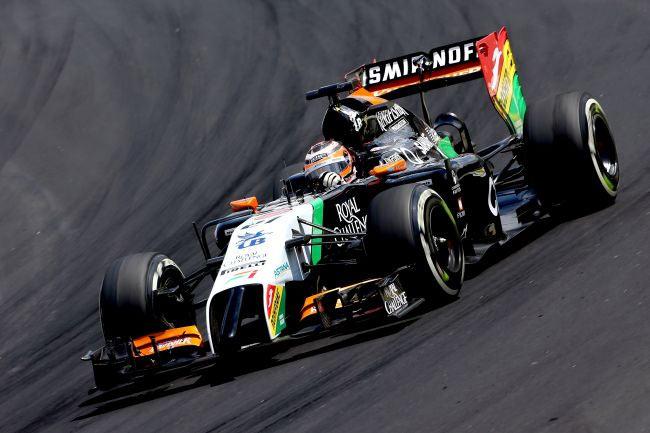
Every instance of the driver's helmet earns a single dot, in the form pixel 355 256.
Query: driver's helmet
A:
pixel 329 156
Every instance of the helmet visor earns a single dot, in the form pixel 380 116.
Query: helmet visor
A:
pixel 339 165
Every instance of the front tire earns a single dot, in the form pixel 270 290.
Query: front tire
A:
pixel 570 152
pixel 128 305
pixel 413 224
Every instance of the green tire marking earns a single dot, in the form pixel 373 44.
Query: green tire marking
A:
pixel 448 211
pixel 608 182
pixel 444 275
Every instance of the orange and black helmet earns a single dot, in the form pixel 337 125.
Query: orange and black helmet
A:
pixel 329 156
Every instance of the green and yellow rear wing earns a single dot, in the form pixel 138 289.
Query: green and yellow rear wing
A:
pixel 489 57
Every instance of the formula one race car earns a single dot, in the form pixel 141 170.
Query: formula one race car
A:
pixel 423 203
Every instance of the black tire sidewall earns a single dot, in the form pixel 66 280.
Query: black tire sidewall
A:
pixel 127 295
pixel 559 151
pixel 424 202
pixel 397 226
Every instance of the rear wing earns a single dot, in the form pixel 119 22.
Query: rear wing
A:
pixel 489 57
pixel 400 76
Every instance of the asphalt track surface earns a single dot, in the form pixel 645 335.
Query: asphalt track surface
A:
pixel 121 122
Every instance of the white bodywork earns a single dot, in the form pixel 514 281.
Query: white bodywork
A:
pixel 257 255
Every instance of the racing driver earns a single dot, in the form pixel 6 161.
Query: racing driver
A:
pixel 328 163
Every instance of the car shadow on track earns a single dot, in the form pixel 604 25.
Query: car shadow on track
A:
pixel 525 238
pixel 218 372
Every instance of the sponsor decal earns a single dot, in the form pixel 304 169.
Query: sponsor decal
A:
pixel 502 80
pixel 455 187
pixel 281 270
pixel 314 158
pixel 351 218
pixel 229 231
pixel 504 88
pixel 394 298
pixel 166 345
pixel 250 239
pixel 496 57
pixel 242 267
pixel 395 157
pixel 242 258
pixel 275 299
pixel 270 291
pixel 388 116
pixel 399 125
pixel 242 274
pixel 423 144
pixel 348 213
pixel 403 67
pixel 432 135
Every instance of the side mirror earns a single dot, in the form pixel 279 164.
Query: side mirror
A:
pixel 296 185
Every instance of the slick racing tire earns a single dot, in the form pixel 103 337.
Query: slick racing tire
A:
pixel 411 224
pixel 127 303
pixel 283 175
pixel 570 152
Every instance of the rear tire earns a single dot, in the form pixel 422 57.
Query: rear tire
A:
pixel 127 304
pixel 570 152
pixel 412 224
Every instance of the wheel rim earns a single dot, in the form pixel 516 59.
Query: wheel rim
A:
pixel 443 242
pixel 165 275
pixel 602 148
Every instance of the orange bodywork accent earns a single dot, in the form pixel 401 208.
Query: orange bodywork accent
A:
pixel 166 340
pixel 308 309
pixel 446 72
pixel 384 169
pixel 309 306
pixel 362 93
pixel 244 203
